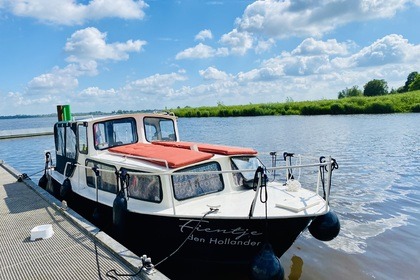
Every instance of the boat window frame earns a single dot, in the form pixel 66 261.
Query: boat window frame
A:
pixel 157 135
pixel 112 141
pixel 132 174
pixel 96 163
pixel 193 193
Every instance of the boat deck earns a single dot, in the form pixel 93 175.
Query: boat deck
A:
pixel 76 250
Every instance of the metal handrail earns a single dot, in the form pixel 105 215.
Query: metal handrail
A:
pixel 327 164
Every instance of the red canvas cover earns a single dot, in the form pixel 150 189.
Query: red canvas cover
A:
pixel 209 148
pixel 174 156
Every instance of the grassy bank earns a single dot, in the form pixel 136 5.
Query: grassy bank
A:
pixel 392 103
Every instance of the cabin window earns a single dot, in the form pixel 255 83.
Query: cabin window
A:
pixel 107 179
pixel 82 132
pixel 159 129
pixel 65 146
pixel 70 143
pixel 244 163
pixel 188 186
pixel 65 142
pixel 145 187
pixel 60 146
pixel 114 133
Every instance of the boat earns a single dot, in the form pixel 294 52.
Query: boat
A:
pixel 196 202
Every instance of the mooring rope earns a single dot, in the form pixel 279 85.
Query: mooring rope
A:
pixel 36 173
pixel 113 270
pixel 323 169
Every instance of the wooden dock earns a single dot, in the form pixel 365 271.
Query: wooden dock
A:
pixel 76 250
pixel 29 132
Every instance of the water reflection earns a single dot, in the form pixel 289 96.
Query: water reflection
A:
pixel 295 268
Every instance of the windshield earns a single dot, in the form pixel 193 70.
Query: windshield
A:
pixel 190 185
pixel 244 163
pixel 159 129
pixel 114 133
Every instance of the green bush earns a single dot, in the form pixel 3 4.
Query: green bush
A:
pixel 380 108
pixel 415 108
pixel 315 109
pixel 353 108
pixel 337 108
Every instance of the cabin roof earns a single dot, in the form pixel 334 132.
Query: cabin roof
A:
pixel 97 118
pixel 178 154
pixel 208 148
pixel 162 155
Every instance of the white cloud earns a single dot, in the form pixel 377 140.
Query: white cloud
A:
pixel 94 92
pixel 18 99
pixel 310 46
pixel 201 51
pixel 212 73
pixel 90 44
pixel 58 80
pixel 308 72
pixel 281 19
pixel 239 42
pixel 86 47
pixel 264 45
pixel 314 57
pixel 127 9
pixel 263 74
pixel 69 12
pixel 158 84
pixel 264 22
pixel 203 35
pixel 391 49
pixel 146 93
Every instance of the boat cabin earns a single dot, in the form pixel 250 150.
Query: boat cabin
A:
pixel 146 143
pixel 75 138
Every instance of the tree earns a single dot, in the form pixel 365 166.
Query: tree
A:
pixel 349 92
pixel 415 84
pixel 410 78
pixel 375 88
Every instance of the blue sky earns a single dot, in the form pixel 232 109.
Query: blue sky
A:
pixel 107 55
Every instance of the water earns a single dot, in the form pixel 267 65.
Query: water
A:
pixel 375 191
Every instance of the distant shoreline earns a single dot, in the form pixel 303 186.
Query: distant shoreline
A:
pixel 408 102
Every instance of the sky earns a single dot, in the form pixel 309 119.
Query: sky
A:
pixel 109 55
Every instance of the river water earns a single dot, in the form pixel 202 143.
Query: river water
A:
pixel 375 191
